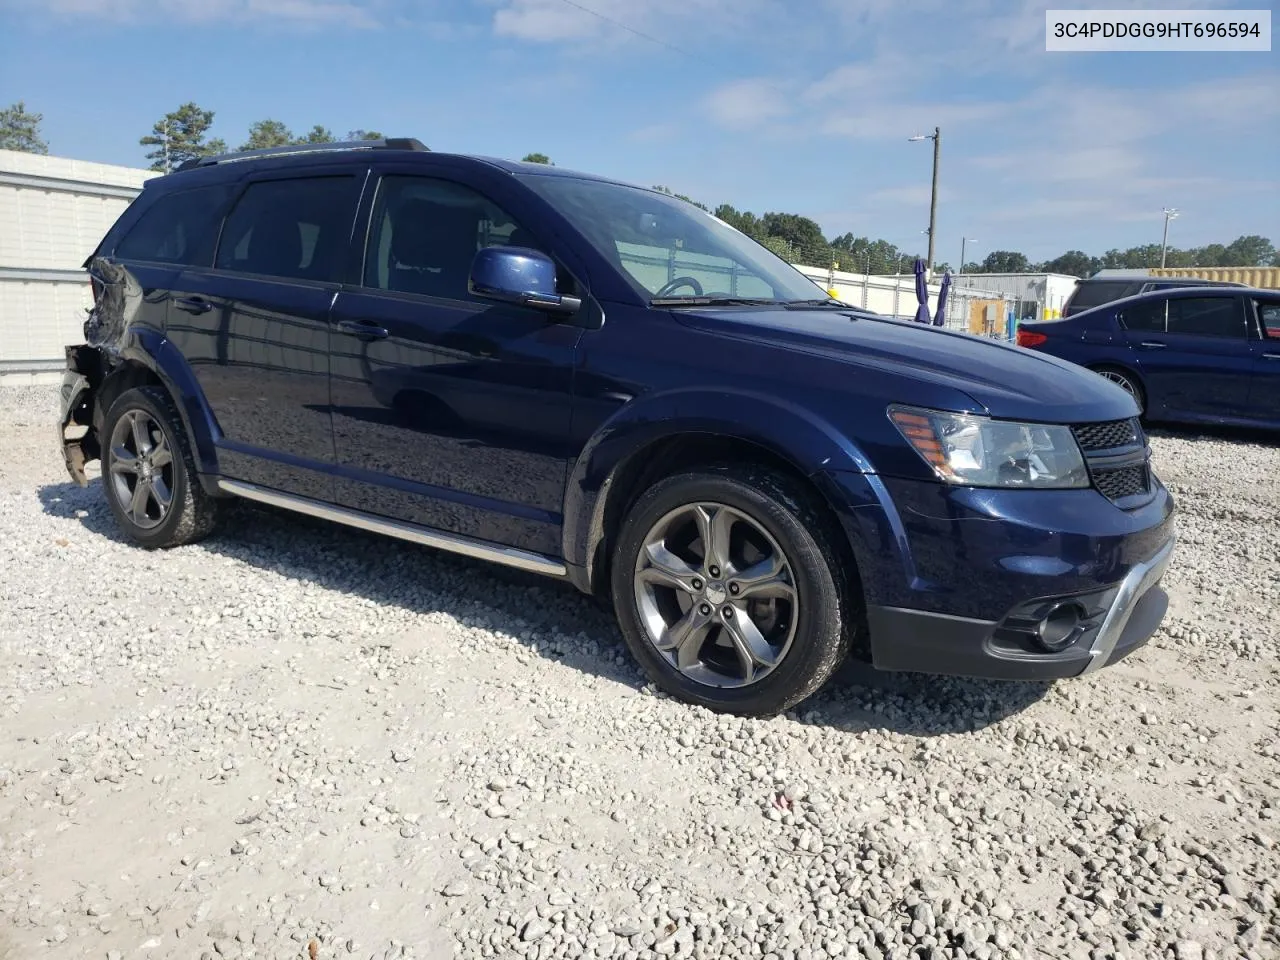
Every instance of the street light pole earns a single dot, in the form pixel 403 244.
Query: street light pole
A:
pixel 1170 213
pixel 936 137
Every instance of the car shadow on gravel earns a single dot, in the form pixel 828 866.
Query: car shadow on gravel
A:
pixel 487 596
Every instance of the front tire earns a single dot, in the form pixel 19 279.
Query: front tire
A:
pixel 149 474
pixel 729 591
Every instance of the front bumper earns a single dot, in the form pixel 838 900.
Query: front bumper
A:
pixel 918 640
pixel 961 580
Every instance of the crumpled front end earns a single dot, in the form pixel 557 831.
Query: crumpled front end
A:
pixel 116 298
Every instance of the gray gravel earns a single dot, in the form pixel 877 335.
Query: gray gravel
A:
pixel 295 735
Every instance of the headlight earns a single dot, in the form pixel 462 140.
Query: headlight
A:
pixel 980 452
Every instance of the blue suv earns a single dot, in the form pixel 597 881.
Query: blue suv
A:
pixel 606 385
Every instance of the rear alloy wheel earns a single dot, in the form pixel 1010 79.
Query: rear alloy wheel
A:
pixel 141 472
pixel 729 593
pixel 149 474
pixel 1125 383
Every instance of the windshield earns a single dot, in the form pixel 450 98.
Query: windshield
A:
pixel 669 249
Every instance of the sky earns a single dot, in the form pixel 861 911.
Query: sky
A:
pixel 802 106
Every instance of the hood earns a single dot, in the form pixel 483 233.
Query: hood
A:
pixel 1003 380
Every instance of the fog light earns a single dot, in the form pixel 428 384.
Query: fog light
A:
pixel 1060 626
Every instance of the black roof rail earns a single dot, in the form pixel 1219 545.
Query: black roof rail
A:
pixel 391 143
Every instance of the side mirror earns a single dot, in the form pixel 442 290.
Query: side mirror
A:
pixel 519 275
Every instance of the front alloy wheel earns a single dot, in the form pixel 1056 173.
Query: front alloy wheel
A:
pixel 731 590
pixel 716 595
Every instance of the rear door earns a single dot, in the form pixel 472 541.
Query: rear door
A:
pixel 255 326
pixel 1194 354
pixel 1264 388
pixel 178 228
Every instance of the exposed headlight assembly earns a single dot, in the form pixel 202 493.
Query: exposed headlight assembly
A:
pixel 980 452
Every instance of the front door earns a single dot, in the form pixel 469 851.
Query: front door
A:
pixel 1264 388
pixel 448 410
pixel 1194 354
pixel 255 329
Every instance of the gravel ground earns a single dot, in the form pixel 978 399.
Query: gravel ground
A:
pixel 294 740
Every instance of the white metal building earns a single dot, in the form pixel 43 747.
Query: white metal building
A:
pixel 1037 296
pixel 895 296
pixel 53 212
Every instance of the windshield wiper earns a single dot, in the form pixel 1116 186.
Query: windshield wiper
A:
pixel 714 302
pixel 820 302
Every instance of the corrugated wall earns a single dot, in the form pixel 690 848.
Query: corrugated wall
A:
pixel 1267 278
pixel 53 212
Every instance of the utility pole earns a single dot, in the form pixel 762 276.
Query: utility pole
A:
pixel 963 241
pixel 936 137
pixel 933 197
pixel 1169 214
pixel 166 145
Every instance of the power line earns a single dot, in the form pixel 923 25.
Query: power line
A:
pixel 639 33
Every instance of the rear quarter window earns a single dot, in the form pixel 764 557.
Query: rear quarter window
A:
pixel 179 227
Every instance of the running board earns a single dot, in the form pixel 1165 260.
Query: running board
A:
pixel 453 543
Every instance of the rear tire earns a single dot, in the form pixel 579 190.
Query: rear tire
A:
pixel 760 622
pixel 149 474
pixel 1126 382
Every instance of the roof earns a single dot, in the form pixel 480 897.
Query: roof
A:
pixel 397 145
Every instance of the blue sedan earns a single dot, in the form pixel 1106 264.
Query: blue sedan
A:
pixel 1194 355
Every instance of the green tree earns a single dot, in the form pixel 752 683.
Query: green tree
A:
pixel 365 135
pixel 538 158
pixel 781 246
pixel 20 130
pixel 1075 263
pixel 1005 261
pixel 268 133
pixel 681 196
pixel 180 136
pixel 1251 251
pixel 746 222
pixel 317 134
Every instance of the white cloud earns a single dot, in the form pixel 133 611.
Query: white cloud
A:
pixel 658 23
pixel 746 103
pixel 293 12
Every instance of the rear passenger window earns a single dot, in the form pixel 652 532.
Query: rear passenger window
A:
pixel 177 228
pixel 295 229
pixel 1205 317
pixel 1146 317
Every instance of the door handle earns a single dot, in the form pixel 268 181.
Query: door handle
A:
pixel 1152 345
pixel 363 329
pixel 193 304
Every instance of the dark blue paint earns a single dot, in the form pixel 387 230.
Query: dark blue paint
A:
pixel 1184 378
pixel 506 422
pixel 514 275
